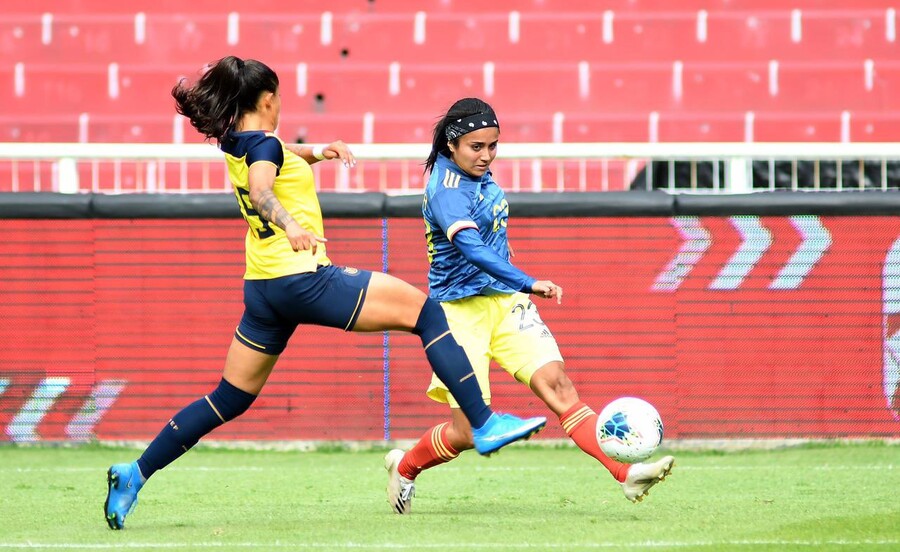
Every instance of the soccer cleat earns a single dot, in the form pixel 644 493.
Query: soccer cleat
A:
pixel 124 482
pixel 643 476
pixel 400 490
pixel 503 429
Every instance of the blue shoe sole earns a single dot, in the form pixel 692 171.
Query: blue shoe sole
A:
pixel 524 437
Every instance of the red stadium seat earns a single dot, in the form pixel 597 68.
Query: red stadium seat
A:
pixel 431 87
pixel 757 35
pixel 193 38
pixel 609 127
pixel 795 127
pixel 850 34
pixel 329 88
pixel 64 90
pixel 643 37
pixel 289 39
pixel 716 87
pixel 146 129
pixel 818 87
pixel 63 38
pixel 677 127
pixel 523 86
pixel 874 127
pixel 321 128
pixel 630 87
pixel 40 129
pixel 146 89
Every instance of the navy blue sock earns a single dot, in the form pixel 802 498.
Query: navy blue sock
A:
pixel 450 363
pixel 191 423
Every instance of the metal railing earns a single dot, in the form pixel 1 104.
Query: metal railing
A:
pixel 397 168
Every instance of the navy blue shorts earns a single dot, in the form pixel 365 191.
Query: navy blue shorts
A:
pixel 331 296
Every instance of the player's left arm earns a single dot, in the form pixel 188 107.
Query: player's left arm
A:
pixel 313 154
pixel 468 241
pixel 452 210
pixel 546 289
pixel 261 183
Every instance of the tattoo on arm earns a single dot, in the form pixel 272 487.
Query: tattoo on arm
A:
pixel 272 210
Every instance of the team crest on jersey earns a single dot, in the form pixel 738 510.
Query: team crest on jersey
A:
pixel 350 271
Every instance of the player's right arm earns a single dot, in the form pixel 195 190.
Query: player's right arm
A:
pixel 335 150
pixel 261 176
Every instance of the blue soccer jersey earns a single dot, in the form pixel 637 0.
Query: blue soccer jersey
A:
pixel 455 201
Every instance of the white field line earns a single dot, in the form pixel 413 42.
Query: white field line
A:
pixel 678 467
pixel 448 546
pixel 63 469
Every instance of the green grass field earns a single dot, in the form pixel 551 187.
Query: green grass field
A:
pixel 813 497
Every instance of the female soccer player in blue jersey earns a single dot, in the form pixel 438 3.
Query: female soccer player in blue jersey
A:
pixel 289 280
pixel 487 302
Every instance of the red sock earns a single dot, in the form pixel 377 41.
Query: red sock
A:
pixel 580 424
pixel 432 450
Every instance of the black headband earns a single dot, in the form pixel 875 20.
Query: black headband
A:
pixel 457 128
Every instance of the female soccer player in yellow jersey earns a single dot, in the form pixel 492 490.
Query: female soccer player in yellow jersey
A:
pixel 486 299
pixel 289 280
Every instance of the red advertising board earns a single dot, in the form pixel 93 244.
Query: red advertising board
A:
pixel 734 327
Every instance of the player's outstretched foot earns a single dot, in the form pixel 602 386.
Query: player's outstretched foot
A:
pixel 400 490
pixel 643 476
pixel 503 429
pixel 124 482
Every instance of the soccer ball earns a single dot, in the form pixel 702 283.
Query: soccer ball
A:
pixel 629 430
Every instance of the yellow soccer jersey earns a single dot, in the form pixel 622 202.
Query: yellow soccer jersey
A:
pixel 269 254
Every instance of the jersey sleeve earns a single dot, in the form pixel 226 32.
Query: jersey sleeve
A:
pixel 268 149
pixel 479 254
pixel 452 210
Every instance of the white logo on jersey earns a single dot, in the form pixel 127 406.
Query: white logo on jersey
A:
pixel 451 180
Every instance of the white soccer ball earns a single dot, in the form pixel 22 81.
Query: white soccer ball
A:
pixel 629 430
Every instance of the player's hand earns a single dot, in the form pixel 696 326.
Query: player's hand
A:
pixel 302 239
pixel 339 150
pixel 547 290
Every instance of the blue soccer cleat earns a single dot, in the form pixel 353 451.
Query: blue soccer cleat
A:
pixel 124 483
pixel 503 429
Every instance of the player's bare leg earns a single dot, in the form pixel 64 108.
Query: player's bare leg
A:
pixel 551 384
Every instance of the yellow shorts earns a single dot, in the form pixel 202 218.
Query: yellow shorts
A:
pixel 505 328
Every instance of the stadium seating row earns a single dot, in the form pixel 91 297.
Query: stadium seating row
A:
pixel 333 88
pixel 538 127
pixel 424 36
pixel 435 6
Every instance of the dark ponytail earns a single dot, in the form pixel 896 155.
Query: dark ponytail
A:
pixel 462 108
pixel 228 89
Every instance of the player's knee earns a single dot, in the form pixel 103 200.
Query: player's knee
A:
pixel 551 380
pixel 229 401
pixel 551 376
pixel 432 321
